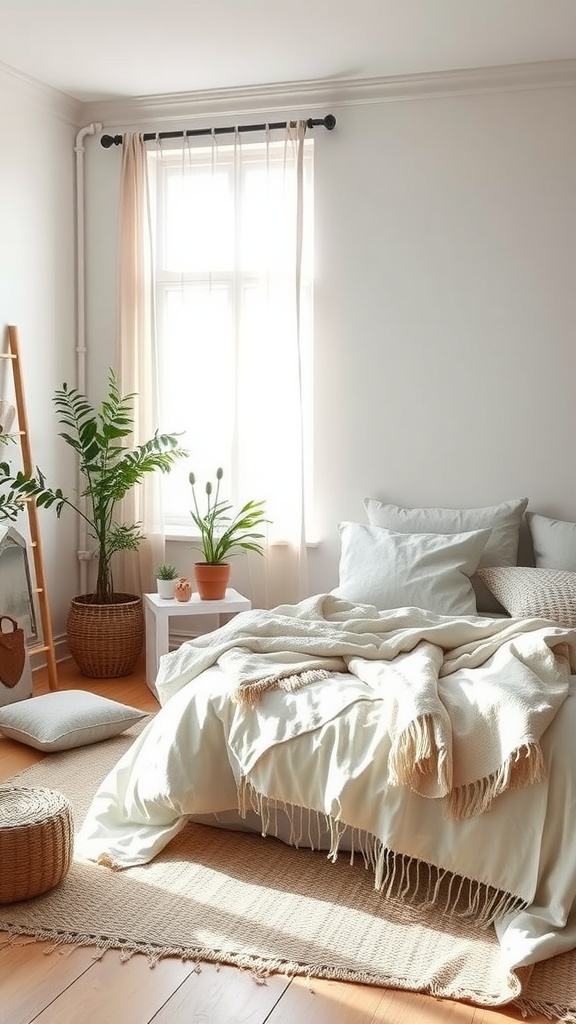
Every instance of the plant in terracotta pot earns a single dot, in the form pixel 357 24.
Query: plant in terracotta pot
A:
pixel 105 628
pixel 223 534
pixel 166 576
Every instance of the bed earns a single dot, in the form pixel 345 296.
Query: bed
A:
pixel 413 717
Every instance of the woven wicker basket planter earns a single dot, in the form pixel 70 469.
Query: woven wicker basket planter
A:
pixel 36 841
pixel 106 640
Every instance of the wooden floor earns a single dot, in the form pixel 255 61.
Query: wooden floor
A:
pixel 70 987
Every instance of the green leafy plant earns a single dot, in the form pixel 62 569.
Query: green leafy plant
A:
pixel 166 572
pixel 11 502
pixel 110 470
pixel 223 534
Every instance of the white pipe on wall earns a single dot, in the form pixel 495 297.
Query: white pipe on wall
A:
pixel 83 554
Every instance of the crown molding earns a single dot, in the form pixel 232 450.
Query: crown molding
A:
pixel 298 96
pixel 50 100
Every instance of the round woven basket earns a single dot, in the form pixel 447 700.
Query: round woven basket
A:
pixel 105 640
pixel 36 841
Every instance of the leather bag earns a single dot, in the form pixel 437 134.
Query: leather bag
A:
pixel 12 652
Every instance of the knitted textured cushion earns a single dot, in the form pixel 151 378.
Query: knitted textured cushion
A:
pixel 526 592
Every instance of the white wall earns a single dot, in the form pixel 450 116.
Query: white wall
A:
pixel 445 298
pixel 37 290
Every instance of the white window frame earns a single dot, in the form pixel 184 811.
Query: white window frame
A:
pixel 181 281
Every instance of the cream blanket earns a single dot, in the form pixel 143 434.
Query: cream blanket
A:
pixel 466 745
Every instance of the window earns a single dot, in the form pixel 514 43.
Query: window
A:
pixel 226 317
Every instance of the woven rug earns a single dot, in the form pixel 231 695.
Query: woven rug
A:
pixel 236 898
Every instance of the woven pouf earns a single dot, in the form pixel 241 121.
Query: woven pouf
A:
pixel 36 841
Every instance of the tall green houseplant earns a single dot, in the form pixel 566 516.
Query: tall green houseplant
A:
pixel 105 629
pixel 110 470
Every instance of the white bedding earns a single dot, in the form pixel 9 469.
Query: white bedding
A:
pixel 326 746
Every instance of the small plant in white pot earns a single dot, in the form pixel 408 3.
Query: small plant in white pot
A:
pixel 166 576
pixel 223 533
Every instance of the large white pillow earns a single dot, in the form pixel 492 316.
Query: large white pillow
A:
pixel 64 719
pixel 554 542
pixel 397 570
pixel 504 521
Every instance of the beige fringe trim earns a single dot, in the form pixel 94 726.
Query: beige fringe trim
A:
pixel 553 1011
pixel 414 752
pixel 524 767
pixel 259 968
pixel 106 861
pixel 250 693
pixel 396 875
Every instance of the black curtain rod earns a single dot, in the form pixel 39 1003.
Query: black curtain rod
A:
pixel 328 122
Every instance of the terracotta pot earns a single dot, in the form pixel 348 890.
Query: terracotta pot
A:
pixel 211 580
pixel 182 589
pixel 105 640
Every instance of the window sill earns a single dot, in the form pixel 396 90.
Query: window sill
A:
pixel 184 534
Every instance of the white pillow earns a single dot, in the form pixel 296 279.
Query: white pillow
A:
pixel 504 520
pixel 398 570
pixel 64 719
pixel 554 542
pixel 527 592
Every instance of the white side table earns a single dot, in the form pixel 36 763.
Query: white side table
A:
pixel 159 610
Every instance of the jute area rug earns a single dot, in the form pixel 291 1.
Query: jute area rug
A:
pixel 236 898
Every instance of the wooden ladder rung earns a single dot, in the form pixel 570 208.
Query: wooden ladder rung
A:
pixel 38 649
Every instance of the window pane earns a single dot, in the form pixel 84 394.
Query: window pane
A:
pixel 197 382
pixel 199 220
pixel 226 237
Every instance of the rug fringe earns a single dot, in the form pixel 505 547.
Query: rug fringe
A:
pixel 533 1008
pixel 396 875
pixel 260 968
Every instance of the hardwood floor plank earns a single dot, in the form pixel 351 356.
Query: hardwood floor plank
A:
pixel 506 1015
pixel 222 995
pixel 112 992
pixel 30 978
pixel 15 757
pixel 330 1002
pixel 333 1002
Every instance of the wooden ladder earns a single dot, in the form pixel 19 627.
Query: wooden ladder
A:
pixel 47 645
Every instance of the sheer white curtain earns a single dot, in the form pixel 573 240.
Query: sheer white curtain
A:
pixel 136 362
pixel 228 295
pixel 271 353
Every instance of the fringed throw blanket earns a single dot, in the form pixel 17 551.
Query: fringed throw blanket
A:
pixel 398 875
pixel 420 722
pixel 465 700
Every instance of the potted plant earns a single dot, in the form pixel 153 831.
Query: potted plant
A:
pixel 105 628
pixel 222 535
pixel 166 575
